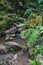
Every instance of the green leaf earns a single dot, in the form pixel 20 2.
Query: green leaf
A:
pixel 20 3
pixel 18 18
pixel 39 48
pixel 40 1
pixel 34 62
pixel 28 11
pixel 33 38
pixel 21 25
pixel 25 33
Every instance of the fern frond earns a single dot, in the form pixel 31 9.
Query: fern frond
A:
pixel 33 38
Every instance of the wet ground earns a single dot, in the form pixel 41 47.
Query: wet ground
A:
pixel 9 59
pixel 14 58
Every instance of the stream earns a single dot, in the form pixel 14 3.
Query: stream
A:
pixel 14 58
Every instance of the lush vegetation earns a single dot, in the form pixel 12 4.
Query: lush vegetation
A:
pixel 28 13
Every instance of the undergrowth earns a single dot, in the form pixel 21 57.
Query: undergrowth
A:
pixel 28 13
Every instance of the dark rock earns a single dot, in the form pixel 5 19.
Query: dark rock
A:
pixel 13 45
pixel 11 30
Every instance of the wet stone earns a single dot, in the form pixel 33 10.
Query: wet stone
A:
pixel 3 49
pixel 13 45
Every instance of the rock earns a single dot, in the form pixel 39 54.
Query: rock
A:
pixel 12 9
pixel 3 49
pixel 12 35
pixel 11 30
pixel 20 53
pixel 11 14
pixel 7 37
pixel 21 28
pixel 10 38
pixel 7 31
pixel 13 45
pixel 40 58
pixel 15 56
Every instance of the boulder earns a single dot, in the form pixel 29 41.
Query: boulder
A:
pixel 7 37
pixel 40 58
pixel 10 37
pixel 3 49
pixel 13 45
pixel 11 30
pixel 21 28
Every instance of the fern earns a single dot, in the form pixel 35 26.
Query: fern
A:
pixel 26 33
pixel 34 62
pixel 33 38
pixel 31 35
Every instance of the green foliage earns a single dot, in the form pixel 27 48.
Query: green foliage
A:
pixel 33 38
pixel 28 13
pixel 34 62
pixel 9 48
pixel 21 25
pixel 32 52
pixel 40 1
pixel 39 49
pixel 0 62
pixel 31 35
pixel 25 33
